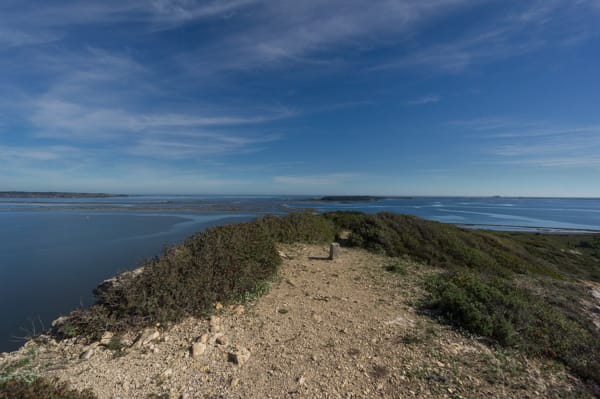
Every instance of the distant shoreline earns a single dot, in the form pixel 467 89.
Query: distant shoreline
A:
pixel 525 229
pixel 347 198
pixel 55 194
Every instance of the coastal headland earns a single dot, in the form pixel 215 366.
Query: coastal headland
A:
pixel 409 308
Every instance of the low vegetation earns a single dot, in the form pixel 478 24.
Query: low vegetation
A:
pixel 225 264
pixel 518 290
pixel 19 379
pixel 40 388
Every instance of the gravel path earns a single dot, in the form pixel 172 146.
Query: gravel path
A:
pixel 327 329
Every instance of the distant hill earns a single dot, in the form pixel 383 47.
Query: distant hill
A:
pixel 53 194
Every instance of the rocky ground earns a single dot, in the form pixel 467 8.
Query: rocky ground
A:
pixel 345 328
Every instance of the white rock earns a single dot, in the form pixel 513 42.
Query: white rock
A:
pixel 106 338
pixel 215 324
pixel 239 356
pixel 85 355
pixel 147 336
pixel 198 349
pixel 60 321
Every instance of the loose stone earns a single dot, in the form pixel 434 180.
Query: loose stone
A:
pixel 147 336
pixel 106 338
pixel 215 324
pixel 85 355
pixel 198 349
pixel 239 356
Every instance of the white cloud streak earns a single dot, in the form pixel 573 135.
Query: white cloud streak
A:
pixel 534 143
pixel 56 118
pixel 425 100
pixel 305 32
pixel 535 25
pixel 332 179
pixel 39 153
pixel 86 102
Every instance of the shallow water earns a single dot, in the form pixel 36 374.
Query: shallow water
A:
pixel 53 252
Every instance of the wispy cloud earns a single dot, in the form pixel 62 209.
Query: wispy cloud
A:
pixel 123 178
pixel 589 161
pixel 38 153
pixel 162 135
pixel 332 179
pixel 531 26
pixel 312 32
pixel 493 124
pixel 56 118
pixel 10 37
pixel 425 100
pixel 85 101
pixel 198 144
pixel 542 144
pixel 26 23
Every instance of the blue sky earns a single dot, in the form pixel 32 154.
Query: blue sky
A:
pixel 406 97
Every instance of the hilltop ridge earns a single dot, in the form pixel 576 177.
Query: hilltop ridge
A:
pixel 390 315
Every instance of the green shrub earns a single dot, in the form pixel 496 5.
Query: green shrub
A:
pixel 493 309
pixel 297 227
pixel 217 265
pixel 521 290
pixel 512 316
pixel 396 267
pixel 40 388
pixel 222 264
pixel 440 244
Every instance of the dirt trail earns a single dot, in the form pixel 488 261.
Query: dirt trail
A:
pixel 327 329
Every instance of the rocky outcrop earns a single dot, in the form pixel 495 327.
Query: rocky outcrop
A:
pixel 117 281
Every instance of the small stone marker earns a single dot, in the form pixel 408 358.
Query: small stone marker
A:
pixel 334 250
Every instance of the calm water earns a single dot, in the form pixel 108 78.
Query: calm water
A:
pixel 53 252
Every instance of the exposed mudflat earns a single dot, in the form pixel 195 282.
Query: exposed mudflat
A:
pixel 327 329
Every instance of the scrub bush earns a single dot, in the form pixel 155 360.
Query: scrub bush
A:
pixel 40 388
pixel 519 289
pixel 222 264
